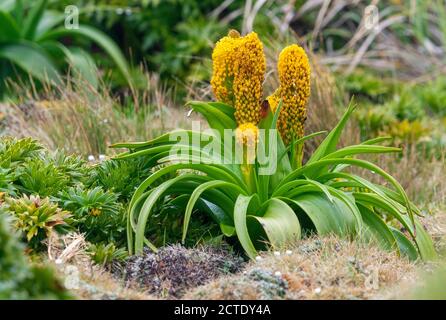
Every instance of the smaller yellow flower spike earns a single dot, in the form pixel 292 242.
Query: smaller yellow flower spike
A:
pixel 247 134
pixel 239 66
pixel 273 100
pixel 294 75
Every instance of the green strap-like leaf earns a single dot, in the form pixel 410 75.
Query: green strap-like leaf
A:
pixel 33 18
pixel 32 59
pixel 327 217
pixel 216 118
pixel 405 245
pixel 147 208
pixel 240 216
pixel 331 141
pixel 360 149
pixel 424 242
pixel 282 191
pixel 378 229
pixel 9 29
pixel 196 195
pixel 279 222
pixel 100 38
pixel 307 169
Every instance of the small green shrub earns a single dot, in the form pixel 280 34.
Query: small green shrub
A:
pixel 38 176
pixel 121 177
pixel 96 212
pixel 105 254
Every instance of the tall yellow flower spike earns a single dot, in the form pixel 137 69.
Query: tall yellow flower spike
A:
pixel 239 66
pixel 223 64
pixel 294 75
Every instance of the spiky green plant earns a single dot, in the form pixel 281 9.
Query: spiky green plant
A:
pixel 320 196
pixel 103 254
pixel 38 176
pixel 121 177
pixel 95 212
pixel 6 181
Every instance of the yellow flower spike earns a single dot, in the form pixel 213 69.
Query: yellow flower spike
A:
pixel 239 66
pixel 294 75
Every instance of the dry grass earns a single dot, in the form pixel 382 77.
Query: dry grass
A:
pixel 423 178
pixel 81 119
pixel 85 279
pixel 317 268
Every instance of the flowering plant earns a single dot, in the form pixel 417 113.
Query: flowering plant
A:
pixel 247 172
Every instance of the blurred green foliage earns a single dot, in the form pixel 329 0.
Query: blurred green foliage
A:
pixel 18 278
pixel 411 113
pixel 36 41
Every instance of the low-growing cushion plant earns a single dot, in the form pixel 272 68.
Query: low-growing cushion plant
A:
pixel 320 196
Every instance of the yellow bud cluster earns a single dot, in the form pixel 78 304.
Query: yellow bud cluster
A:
pixel 273 100
pixel 238 72
pixel 294 75
pixel 247 134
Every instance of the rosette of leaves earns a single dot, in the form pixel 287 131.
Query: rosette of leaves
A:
pixel 38 176
pixel 35 217
pixel 14 151
pixel 320 196
pixel 268 196
pixel 96 212
pixel 104 254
